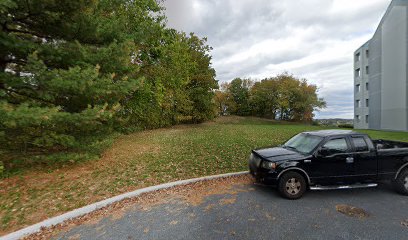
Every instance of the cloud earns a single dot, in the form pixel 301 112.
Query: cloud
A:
pixel 313 39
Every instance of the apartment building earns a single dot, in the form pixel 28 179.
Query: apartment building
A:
pixel 380 74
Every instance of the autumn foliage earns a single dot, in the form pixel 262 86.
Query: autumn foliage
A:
pixel 72 70
pixel 283 97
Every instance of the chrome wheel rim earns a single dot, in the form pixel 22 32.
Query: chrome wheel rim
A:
pixel 406 182
pixel 293 186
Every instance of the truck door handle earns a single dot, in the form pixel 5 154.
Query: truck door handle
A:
pixel 349 160
pixel 307 161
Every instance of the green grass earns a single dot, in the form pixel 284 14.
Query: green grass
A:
pixel 143 159
pixel 397 136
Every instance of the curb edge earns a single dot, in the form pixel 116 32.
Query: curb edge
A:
pixel 98 205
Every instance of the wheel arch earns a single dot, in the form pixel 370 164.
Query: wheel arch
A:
pixel 295 169
pixel 404 166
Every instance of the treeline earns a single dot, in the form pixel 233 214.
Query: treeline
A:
pixel 283 97
pixel 76 69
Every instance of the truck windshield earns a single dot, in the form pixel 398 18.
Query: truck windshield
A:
pixel 303 143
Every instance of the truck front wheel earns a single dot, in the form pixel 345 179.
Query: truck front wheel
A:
pixel 292 185
pixel 401 183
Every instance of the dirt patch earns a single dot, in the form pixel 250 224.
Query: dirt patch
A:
pixel 352 211
pixel 193 194
pixel 226 201
pixel 238 119
pixel 75 237
pixel 270 217
pixel 117 215
pixel 209 207
pixel 124 148
pixel 229 119
pixel 173 222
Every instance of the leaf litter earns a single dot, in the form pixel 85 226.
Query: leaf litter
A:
pixel 192 194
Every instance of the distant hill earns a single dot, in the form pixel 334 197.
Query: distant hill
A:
pixel 335 121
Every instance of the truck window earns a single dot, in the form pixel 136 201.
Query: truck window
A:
pixel 335 146
pixel 360 144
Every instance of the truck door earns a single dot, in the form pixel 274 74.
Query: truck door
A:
pixel 332 163
pixel 365 159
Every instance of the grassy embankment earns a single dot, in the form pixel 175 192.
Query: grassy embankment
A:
pixel 139 160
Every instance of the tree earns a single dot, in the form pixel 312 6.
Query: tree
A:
pixel 203 84
pixel 264 98
pixel 283 97
pixel 72 72
pixel 66 67
pixel 179 87
pixel 239 91
pixel 296 98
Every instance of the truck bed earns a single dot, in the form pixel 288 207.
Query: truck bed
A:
pixel 381 144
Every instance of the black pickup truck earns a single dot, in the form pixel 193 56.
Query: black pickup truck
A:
pixel 331 159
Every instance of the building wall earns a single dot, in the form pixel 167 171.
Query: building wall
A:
pixel 388 77
pixel 361 110
pixel 374 62
pixel 394 69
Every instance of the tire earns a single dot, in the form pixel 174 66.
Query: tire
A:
pixel 401 183
pixel 292 185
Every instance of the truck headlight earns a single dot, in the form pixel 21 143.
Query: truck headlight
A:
pixel 268 165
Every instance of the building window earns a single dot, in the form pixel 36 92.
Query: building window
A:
pixel 358 88
pixel 367 53
pixel 358 118
pixel 358 72
pixel 358 103
pixel 357 57
pixel 367 103
pixel 367 86
pixel 367 70
pixel 366 119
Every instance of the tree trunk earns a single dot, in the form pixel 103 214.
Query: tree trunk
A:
pixel 3 65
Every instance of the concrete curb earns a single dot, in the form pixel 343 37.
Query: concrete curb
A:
pixel 98 205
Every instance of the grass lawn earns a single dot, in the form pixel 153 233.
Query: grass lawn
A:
pixel 143 159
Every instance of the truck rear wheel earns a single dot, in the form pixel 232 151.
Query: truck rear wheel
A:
pixel 292 185
pixel 401 183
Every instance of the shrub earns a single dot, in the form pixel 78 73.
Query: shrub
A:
pixel 345 125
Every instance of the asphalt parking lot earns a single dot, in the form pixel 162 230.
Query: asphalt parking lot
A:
pixel 248 211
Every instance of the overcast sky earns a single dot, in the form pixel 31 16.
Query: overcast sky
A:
pixel 313 39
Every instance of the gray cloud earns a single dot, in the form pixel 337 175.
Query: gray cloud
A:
pixel 314 39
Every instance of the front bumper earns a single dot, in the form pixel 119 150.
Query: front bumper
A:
pixel 261 175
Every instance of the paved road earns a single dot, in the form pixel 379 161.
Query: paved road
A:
pixel 257 212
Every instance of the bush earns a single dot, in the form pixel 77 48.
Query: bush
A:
pixel 345 125
pixel 85 149
pixel 41 128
